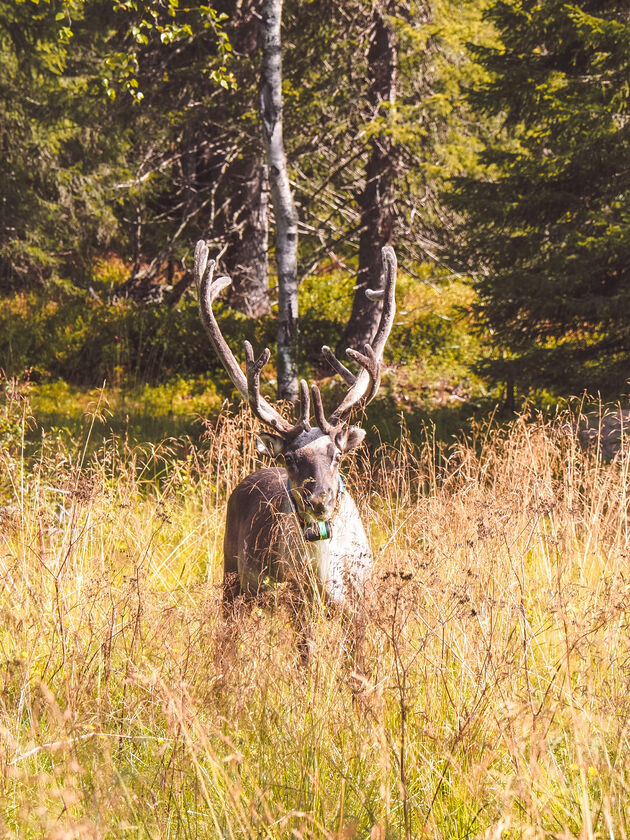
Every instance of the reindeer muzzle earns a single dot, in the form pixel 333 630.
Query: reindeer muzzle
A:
pixel 322 528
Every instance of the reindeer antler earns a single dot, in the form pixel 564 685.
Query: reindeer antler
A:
pixel 248 385
pixel 363 386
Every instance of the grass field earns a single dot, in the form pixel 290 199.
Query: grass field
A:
pixel 495 696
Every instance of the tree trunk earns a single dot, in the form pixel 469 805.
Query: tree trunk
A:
pixel 281 199
pixel 377 199
pixel 246 257
pixel 243 224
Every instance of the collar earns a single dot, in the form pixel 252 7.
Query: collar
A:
pixel 322 528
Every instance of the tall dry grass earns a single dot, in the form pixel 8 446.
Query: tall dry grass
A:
pixel 495 697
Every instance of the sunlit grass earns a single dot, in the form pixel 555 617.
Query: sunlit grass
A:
pixel 493 700
pixel 141 413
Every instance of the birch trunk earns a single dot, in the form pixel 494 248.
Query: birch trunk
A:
pixel 281 199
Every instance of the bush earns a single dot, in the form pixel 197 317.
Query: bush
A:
pixel 84 341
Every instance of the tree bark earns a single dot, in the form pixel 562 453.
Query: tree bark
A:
pixel 377 199
pixel 247 235
pixel 281 198
pixel 243 224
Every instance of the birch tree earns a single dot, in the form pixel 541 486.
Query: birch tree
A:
pixel 281 199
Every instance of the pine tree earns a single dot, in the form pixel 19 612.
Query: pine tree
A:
pixel 376 200
pixel 75 179
pixel 56 170
pixel 546 232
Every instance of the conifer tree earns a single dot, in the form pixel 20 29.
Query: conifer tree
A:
pixel 546 231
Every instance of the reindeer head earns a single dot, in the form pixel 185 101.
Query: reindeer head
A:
pixel 311 454
pixel 312 460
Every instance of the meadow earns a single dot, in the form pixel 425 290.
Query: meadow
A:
pixel 494 698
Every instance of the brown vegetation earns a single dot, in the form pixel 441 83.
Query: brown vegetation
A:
pixel 495 700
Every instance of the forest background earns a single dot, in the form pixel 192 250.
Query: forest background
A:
pixel 487 141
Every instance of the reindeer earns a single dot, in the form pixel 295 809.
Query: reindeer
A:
pixel 298 523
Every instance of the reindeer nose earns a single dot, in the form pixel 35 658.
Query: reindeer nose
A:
pixel 319 502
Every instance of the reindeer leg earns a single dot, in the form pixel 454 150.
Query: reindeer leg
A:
pixel 231 591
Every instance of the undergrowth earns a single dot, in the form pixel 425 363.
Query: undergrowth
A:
pixel 82 339
pixel 494 700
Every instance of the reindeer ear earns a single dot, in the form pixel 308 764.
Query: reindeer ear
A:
pixel 350 438
pixel 271 445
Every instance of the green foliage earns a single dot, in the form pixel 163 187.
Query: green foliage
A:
pixel 86 341
pixel 69 171
pixel 144 414
pixel 324 300
pixel 547 227
pixel 94 177
pixel 433 335
pixel 433 129
pixel 55 169
pixel 15 416
pixel 161 371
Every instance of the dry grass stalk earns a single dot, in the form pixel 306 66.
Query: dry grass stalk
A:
pixel 494 700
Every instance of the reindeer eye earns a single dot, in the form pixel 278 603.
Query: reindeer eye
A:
pixel 289 459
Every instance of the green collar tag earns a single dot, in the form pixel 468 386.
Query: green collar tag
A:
pixel 316 531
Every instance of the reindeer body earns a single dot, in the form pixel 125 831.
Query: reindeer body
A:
pixel 298 524
pixel 265 543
